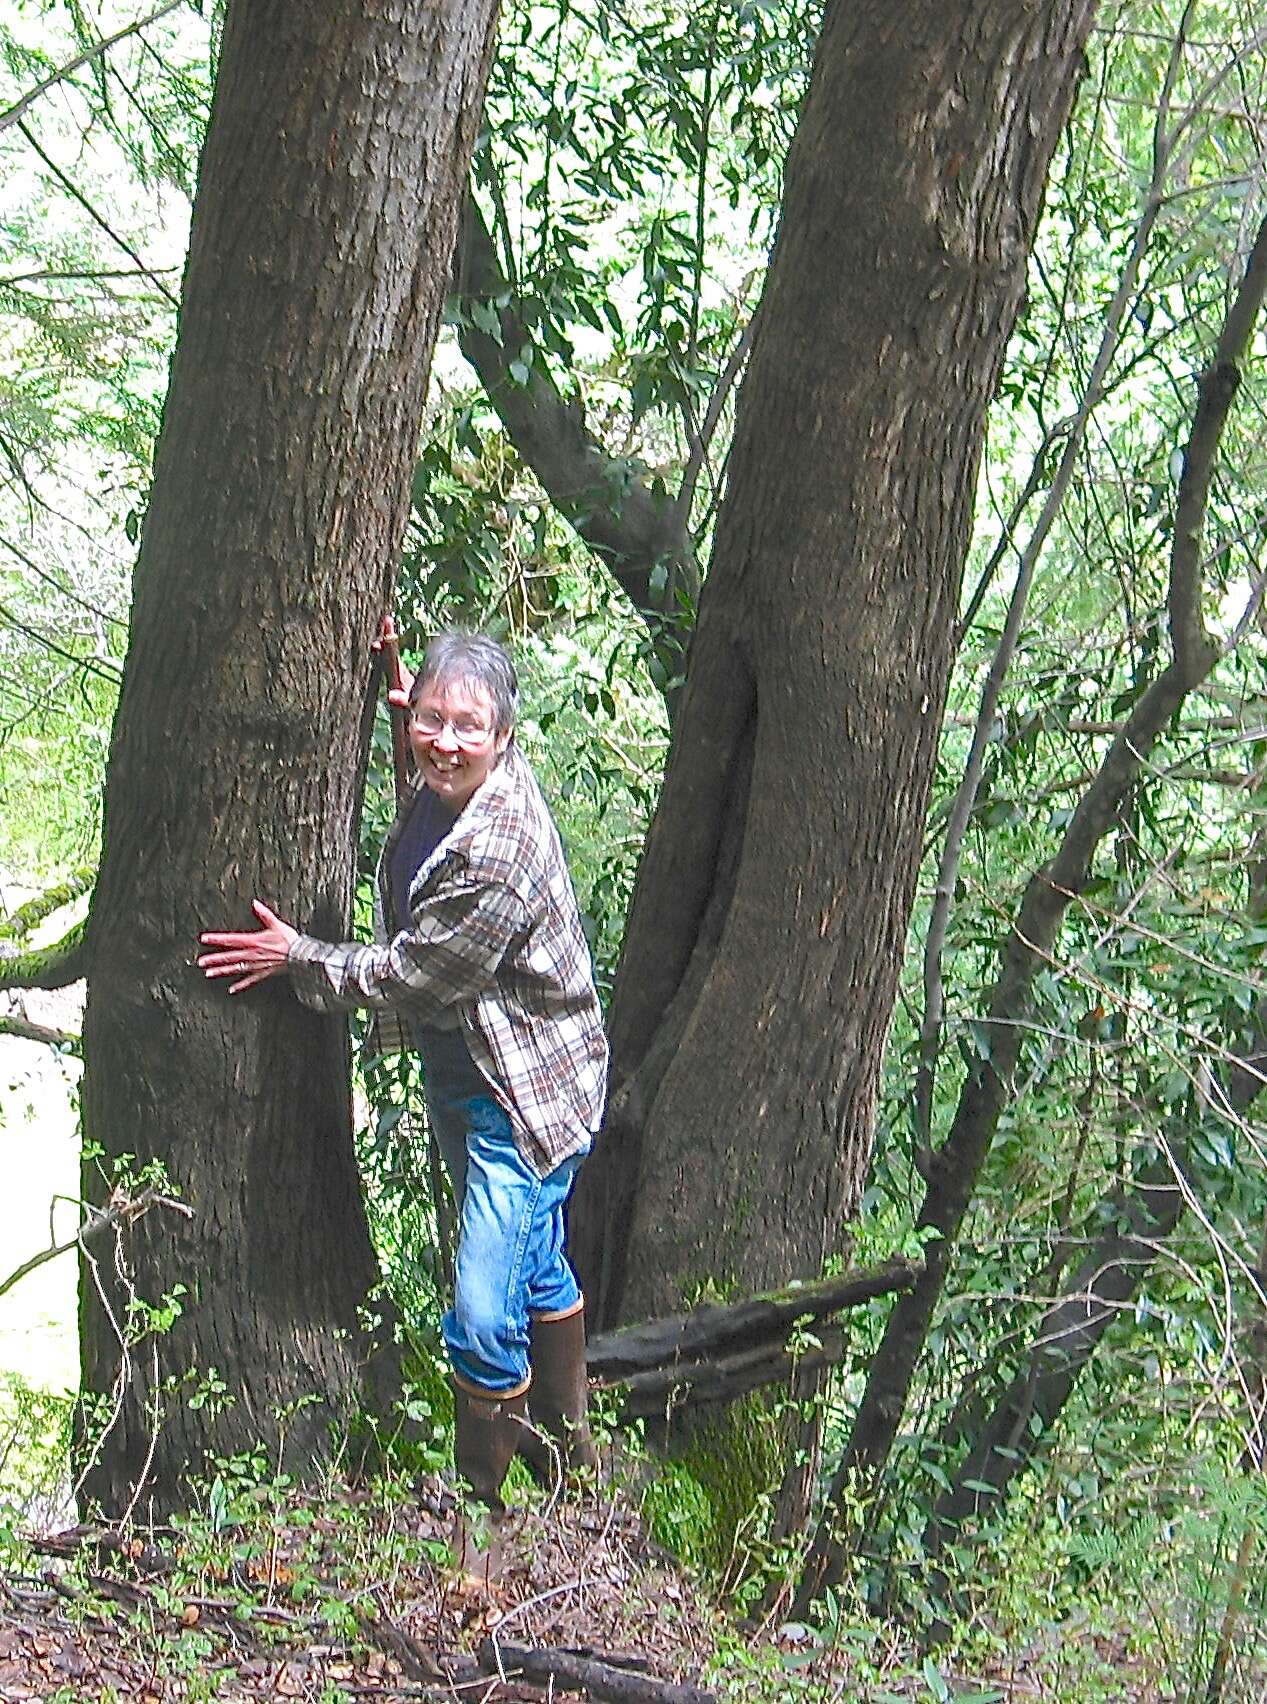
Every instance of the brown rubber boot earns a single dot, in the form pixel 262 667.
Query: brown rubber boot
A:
pixel 558 1397
pixel 486 1430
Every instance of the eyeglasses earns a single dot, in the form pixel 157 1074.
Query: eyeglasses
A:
pixel 467 731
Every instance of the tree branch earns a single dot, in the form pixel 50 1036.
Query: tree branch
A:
pixel 76 194
pixel 19 923
pixel 1105 1281
pixel 759 1322
pixel 610 501
pixel 957 1165
pixel 569 1672
pixel 701 439
pixel 12 114
pixel 23 1030
pixel 966 796
pixel 48 967
pixel 123 1209
pixel 91 665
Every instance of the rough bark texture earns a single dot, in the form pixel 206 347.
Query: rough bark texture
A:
pixel 322 235
pixel 763 946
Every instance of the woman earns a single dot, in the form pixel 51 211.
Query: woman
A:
pixel 490 969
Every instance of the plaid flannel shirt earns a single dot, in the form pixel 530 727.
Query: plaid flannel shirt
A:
pixel 497 944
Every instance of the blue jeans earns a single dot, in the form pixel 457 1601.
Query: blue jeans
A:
pixel 510 1259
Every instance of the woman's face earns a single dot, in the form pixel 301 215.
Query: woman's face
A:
pixel 455 747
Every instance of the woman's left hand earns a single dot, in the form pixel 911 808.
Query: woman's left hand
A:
pixel 251 957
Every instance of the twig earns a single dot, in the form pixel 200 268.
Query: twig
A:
pixel 123 1211
pixel 77 195
pixel 12 114
pixel 92 664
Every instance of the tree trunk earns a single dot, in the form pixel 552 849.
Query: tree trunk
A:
pixel 766 931
pixel 323 228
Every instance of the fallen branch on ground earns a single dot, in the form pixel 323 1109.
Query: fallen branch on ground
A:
pixel 104 1541
pixel 565 1672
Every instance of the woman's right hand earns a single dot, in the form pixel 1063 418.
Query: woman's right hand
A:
pixel 399 687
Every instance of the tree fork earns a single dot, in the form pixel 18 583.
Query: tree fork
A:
pixel 611 505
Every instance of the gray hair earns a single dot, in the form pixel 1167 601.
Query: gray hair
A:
pixel 454 658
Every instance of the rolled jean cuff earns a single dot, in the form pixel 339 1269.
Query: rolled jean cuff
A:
pixel 550 1315
pixel 485 1393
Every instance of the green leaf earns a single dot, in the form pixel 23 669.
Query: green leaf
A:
pixel 936 1684
pixel 485 318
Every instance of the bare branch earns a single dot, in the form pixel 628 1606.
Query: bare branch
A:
pixel 76 194
pixel 569 1671
pixel 22 1029
pixel 966 796
pixel 84 277
pixel 701 440
pixel 64 591
pixel 93 665
pixel 761 1322
pixel 12 114
pixel 123 1209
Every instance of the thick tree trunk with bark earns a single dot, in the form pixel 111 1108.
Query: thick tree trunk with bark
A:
pixel 322 235
pixel 763 946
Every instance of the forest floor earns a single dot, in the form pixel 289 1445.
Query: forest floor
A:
pixel 345 1598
